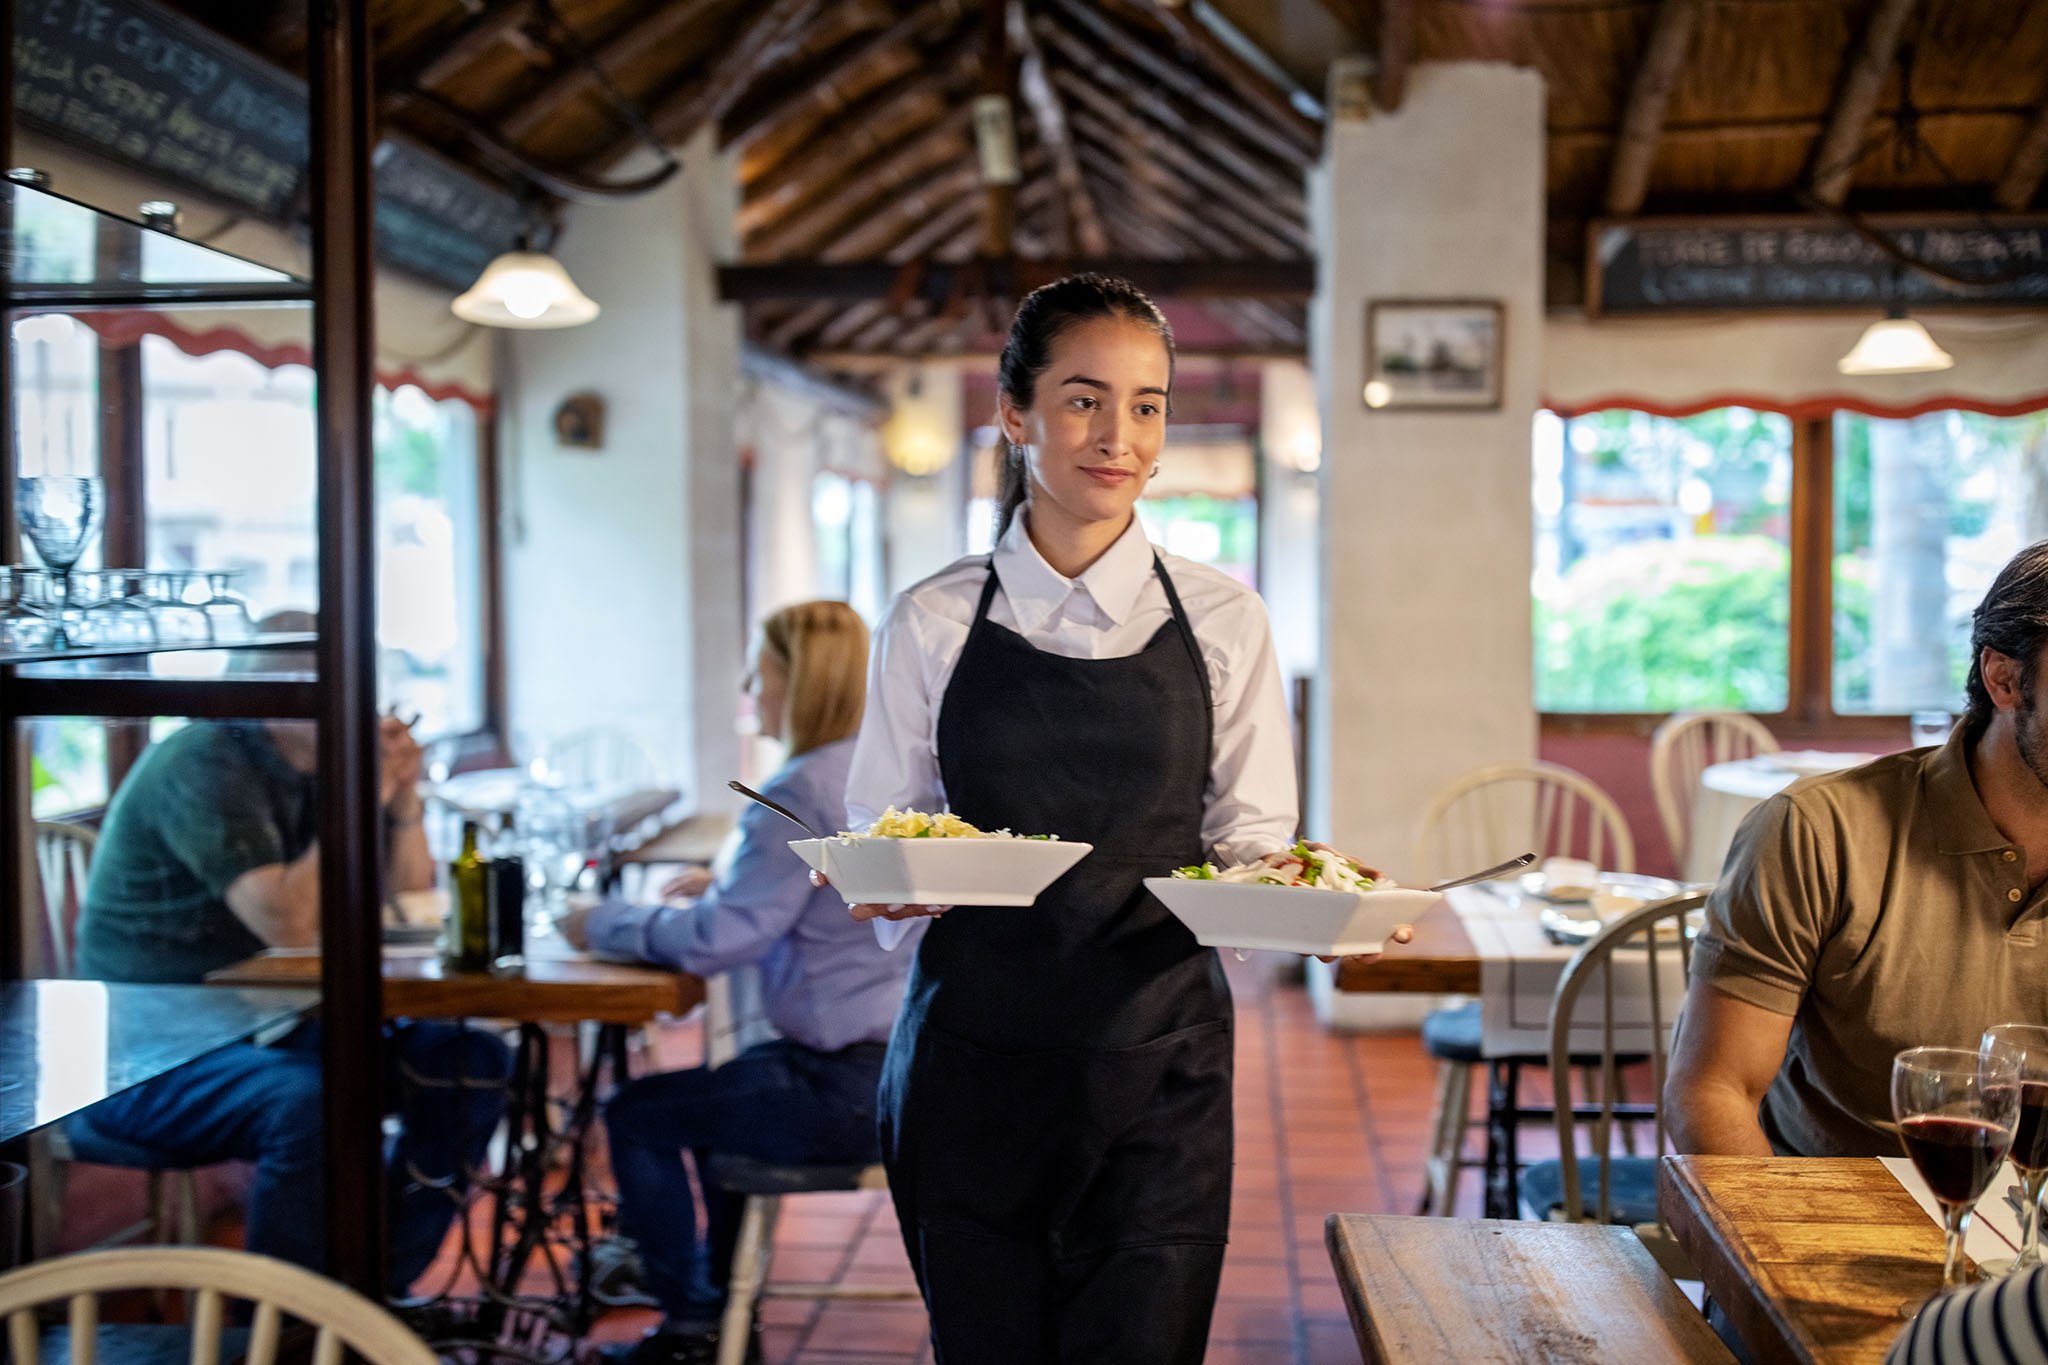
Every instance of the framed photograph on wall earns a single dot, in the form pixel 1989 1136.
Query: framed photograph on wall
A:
pixel 1433 353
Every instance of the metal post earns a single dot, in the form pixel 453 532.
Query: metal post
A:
pixel 351 984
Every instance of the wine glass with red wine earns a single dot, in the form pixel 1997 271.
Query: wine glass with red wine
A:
pixel 2029 1137
pixel 1956 1110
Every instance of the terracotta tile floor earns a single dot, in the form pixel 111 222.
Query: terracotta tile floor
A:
pixel 1325 1123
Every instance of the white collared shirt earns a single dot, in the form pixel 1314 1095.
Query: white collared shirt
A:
pixel 1111 611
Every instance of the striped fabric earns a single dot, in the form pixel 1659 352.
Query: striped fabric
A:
pixel 1993 1324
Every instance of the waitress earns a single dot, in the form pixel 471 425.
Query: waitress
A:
pixel 1056 1104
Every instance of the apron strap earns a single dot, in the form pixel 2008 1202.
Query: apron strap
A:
pixel 1187 632
pixel 988 595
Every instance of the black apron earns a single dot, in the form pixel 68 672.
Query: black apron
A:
pixel 1056 1103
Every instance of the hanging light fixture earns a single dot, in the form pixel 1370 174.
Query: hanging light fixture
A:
pixel 526 289
pixel 1895 344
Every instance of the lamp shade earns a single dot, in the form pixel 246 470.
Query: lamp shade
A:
pixel 525 289
pixel 1895 345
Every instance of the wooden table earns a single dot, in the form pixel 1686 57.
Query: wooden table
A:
pixel 1809 1257
pixel 67 1045
pixel 557 986
pixel 1474 1290
pixel 1441 961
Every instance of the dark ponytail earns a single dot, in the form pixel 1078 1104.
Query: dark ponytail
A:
pixel 1045 313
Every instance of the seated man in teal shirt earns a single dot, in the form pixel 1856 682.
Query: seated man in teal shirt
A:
pixel 208 855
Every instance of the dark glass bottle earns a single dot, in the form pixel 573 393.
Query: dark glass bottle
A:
pixel 508 908
pixel 467 940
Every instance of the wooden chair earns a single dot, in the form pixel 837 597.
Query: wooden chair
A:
pixel 1479 819
pixel 1624 1187
pixel 63 865
pixel 1683 747
pixel 340 1317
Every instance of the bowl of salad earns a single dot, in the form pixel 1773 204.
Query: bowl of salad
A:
pixel 1313 901
pixel 910 857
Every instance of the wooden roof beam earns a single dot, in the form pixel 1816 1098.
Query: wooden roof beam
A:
pixel 1252 86
pixel 907 208
pixel 854 281
pixel 2022 178
pixel 1841 146
pixel 1049 117
pixel 1394 51
pixel 865 183
pixel 998 79
pixel 472 39
pixel 724 77
pixel 1165 181
pixel 1649 98
pixel 655 27
pixel 816 82
pixel 1284 143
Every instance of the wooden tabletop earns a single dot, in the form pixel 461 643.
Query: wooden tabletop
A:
pixel 67 1045
pixel 1476 1290
pixel 1810 1257
pixel 1441 960
pixel 558 987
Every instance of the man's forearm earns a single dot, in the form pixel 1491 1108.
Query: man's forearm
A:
pixel 1713 1120
pixel 410 864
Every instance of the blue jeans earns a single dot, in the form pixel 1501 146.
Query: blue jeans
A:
pixel 779 1102
pixel 262 1104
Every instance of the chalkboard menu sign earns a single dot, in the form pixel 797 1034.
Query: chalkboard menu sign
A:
pixel 150 88
pixel 1800 264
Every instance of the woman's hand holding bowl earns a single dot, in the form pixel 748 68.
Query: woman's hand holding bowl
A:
pixel 867 912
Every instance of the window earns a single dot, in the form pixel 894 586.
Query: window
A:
pixel 1927 510
pixel 1662 579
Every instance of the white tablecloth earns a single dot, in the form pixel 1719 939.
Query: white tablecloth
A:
pixel 1519 968
pixel 1729 791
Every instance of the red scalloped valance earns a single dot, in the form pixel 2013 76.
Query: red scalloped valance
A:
pixel 1821 405
pixel 127 327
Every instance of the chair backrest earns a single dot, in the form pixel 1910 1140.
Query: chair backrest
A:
pixel 602 759
pixel 1541 808
pixel 63 861
pixel 1645 940
pixel 1685 746
pixel 340 1316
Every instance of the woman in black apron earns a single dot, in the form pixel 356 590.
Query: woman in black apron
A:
pixel 1056 1105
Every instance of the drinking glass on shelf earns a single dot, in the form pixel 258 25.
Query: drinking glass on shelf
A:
pixel 1956 1110
pixel 227 614
pixel 178 619
pixel 2030 1135
pixel 60 516
pixel 117 613
pixel 1930 727
pixel 23 624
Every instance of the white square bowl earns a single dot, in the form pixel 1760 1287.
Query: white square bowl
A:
pixel 1290 919
pixel 883 871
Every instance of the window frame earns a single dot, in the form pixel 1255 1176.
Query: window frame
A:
pixel 1809 714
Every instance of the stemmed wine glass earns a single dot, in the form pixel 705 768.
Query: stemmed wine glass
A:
pixel 60 516
pixel 2030 1134
pixel 1956 1110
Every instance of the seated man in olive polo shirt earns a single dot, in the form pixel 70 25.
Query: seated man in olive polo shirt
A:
pixel 1860 913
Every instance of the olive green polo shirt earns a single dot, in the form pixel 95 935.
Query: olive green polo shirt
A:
pixel 1881 909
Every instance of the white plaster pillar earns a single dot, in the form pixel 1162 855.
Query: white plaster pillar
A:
pixel 1290 513
pixel 622 566
pixel 927 514
pixel 1426 544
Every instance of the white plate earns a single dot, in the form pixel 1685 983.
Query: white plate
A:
pixel 878 871
pixel 1289 919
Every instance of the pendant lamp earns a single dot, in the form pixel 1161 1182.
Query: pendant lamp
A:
pixel 526 289
pixel 1895 344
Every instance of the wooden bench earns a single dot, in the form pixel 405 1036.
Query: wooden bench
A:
pixel 1477 1290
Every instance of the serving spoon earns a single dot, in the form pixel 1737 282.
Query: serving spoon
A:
pixel 785 812
pixel 1499 869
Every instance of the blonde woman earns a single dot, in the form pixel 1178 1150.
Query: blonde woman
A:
pixel 808 1096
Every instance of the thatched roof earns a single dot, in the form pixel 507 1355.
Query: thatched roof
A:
pixel 1153 132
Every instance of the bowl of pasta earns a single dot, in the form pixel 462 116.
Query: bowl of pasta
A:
pixel 1311 900
pixel 919 858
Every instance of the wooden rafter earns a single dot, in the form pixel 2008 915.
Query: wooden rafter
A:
pixel 704 97
pixel 1251 86
pixel 1649 97
pixel 2022 178
pixel 1097 28
pixel 919 202
pixel 1197 208
pixel 818 83
pixel 852 281
pixel 662 24
pixel 998 80
pixel 829 164
pixel 1095 69
pixel 1834 160
pixel 448 55
pixel 1049 118
pixel 865 185
pixel 1394 50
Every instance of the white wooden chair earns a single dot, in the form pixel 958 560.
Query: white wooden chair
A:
pixel 339 1316
pixel 1623 1187
pixel 63 864
pixel 1479 819
pixel 1685 746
